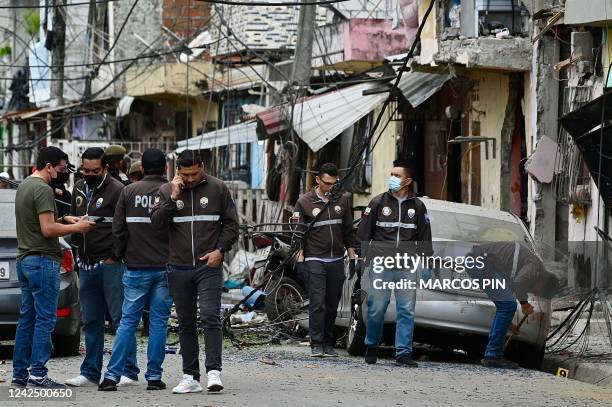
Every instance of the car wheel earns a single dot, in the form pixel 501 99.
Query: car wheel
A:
pixel 67 345
pixel 356 333
pixel 283 305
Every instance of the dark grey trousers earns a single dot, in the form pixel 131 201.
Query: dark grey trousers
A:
pixel 324 291
pixel 188 286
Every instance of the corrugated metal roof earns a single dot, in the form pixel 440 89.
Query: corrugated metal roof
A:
pixel 417 87
pixel 236 134
pixel 320 119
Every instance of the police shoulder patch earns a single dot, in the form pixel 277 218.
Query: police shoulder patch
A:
pixel 366 212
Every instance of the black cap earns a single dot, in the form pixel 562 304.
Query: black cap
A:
pixel 153 158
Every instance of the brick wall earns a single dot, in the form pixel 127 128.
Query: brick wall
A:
pixel 186 17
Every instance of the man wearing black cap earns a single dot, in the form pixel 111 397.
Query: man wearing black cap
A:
pixel 395 216
pixel 145 252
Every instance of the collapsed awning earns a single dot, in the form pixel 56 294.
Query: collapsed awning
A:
pixel 319 119
pixel 591 129
pixel 417 87
pixel 236 134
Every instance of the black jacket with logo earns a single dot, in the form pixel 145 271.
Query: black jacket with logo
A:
pixel 98 244
pixel 202 219
pixel 140 245
pixel 332 233
pixel 515 262
pixel 386 220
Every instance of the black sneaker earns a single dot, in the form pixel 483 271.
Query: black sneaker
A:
pixel 45 383
pixel 329 351
pixel 19 383
pixel 156 385
pixel 499 363
pixel 317 351
pixel 107 385
pixel 406 361
pixel 371 355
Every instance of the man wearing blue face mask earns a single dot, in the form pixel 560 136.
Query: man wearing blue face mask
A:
pixel 396 216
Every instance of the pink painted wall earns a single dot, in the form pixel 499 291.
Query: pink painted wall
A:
pixel 372 40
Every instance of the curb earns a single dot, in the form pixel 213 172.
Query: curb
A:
pixel 599 374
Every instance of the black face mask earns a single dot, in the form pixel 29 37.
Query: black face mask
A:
pixel 62 178
pixel 93 181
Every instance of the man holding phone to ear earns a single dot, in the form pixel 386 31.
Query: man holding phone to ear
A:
pixel 203 224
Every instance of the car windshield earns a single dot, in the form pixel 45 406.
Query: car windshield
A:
pixel 473 228
pixel 7 222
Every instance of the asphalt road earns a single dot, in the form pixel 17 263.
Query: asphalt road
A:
pixel 284 375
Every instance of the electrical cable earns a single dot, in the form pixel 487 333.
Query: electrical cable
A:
pixel 338 186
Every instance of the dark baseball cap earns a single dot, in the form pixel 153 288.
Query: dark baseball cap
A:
pixel 152 159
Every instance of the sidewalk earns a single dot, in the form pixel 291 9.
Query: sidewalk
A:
pixel 590 361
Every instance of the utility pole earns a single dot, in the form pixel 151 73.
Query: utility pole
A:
pixel 59 53
pixel 300 76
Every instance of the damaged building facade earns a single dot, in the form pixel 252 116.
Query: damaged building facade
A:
pixel 476 128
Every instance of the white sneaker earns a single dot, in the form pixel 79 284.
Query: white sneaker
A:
pixel 187 385
pixel 80 381
pixel 126 381
pixel 214 381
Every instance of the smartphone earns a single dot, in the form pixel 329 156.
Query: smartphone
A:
pixel 99 220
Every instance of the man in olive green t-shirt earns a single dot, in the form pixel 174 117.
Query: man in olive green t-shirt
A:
pixel 34 197
pixel 38 268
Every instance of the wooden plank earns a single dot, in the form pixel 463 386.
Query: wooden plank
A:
pixel 249 206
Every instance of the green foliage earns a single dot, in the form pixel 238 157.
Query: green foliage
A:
pixel 5 50
pixel 32 21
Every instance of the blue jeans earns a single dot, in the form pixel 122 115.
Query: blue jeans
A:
pixel 94 284
pixel 140 287
pixel 505 308
pixel 378 301
pixel 39 279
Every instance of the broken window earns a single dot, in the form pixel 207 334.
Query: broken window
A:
pixel 569 172
pixel 361 179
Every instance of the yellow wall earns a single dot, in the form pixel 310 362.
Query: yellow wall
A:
pixel 198 113
pixel 429 43
pixel 167 78
pixel 382 159
pixel 489 99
